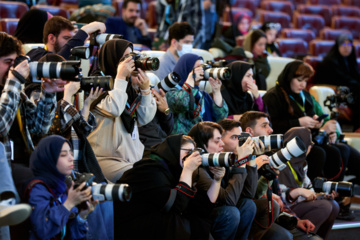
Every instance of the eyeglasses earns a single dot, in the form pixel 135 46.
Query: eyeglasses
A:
pixel 349 44
pixel 271 25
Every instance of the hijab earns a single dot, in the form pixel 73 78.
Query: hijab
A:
pixel 185 65
pixel 43 162
pixel 286 176
pixel 251 38
pixel 238 18
pixel 237 100
pixel 285 77
pixel 31 26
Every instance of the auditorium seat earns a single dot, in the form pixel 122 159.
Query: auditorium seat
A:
pixel 282 18
pixel 357 50
pixel 350 23
pixel 352 2
pixel 152 53
pixel 332 34
pixel 322 10
pixel 277 65
pixel 206 55
pixel 12 9
pixel 151 15
pixel 278 6
pixel 346 11
pixel 55 11
pixel 304 34
pixel 117 4
pixel 320 47
pixel 8 25
pixel 236 12
pixel 292 47
pixel 69 4
pixel 249 4
pixel 313 60
pixel 324 2
pixel 309 21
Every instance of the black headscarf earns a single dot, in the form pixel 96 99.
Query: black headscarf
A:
pixel 286 177
pixel 43 162
pixel 31 26
pixel 285 77
pixel 237 100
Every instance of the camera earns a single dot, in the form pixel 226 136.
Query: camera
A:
pixel 68 70
pixel 79 52
pixel 143 62
pixel 19 59
pixel 169 82
pixel 321 138
pixel 345 189
pixel 287 221
pixel 223 73
pixel 274 141
pixel 104 82
pixel 225 159
pixel 98 39
pixel 293 148
pixel 341 99
pixel 267 172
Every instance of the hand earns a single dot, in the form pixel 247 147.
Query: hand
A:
pixel 246 149
pixel 307 122
pixel 318 124
pixel 215 85
pixel 207 4
pixel 259 148
pixel 218 172
pixel 193 161
pixel 125 68
pixel 53 86
pixel 70 89
pixel 93 27
pixel 305 225
pixel 93 95
pixel 22 68
pixel 199 75
pixel 253 88
pixel 261 160
pixel 160 99
pixel 329 126
pixel 277 198
pixel 91 205
pixel 308 194
pixel 75 196
pixel 143 80
pixel 141 25
pixel 332 138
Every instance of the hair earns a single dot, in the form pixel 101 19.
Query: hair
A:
pixel 255 36
pixel 180 30
pixel 249 118
pixel 9 45
pixel 52 57
pixel 203 132
pixel 126 2
pixel 229 124
pixel 186 139
pixel 55 25
pixel 304 70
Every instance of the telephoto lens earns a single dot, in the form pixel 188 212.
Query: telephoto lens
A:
pixel 275 141
pixel 293 148
pixel 103 37
pixel 223 73
pixel 225 159
pixel 242 138
pixel 111 192
pixel 80 52
pixel 68 70
pixel 104 82
pixel 147 64
pixel 169 82
pixel 345 189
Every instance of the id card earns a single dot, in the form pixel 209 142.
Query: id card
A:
pixel 135 133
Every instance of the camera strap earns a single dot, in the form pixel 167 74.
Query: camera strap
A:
pixel 243 161
pixel 294 174
pixel 193 112
pixel 270 209
pixel 18 76
pixel 130 110
pixel 302 107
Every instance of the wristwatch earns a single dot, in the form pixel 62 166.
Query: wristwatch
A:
pixel 167 111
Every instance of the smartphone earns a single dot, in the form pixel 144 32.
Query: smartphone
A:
pixel 322 117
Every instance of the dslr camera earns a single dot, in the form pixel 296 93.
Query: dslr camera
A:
pixel 322 138
pixel 223 73
pixel 19 59
pixel 345 189
pixel 342 98
pixel 169 82
pixel 274 141
pixel 143 62
pixel 98 39
pixel 225 159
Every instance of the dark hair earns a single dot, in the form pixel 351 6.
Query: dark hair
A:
pixel 126 2
pixel 9 45
pixel 249 118
pixel 229 124
pixel 52 57
pixel 186 139
pixel 255 36
pixel 180 30
pixel 55 25
pixel 304 70
pixel 203 132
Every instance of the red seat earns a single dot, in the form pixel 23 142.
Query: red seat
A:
pixel 313 60
pixel 117 4
pixel 320 47
pixel 346 11
pixel 55 11
pixel 236 12
pixel 12 9
pixel 292 47
pixel 249 4
pixel 304 34
pixel 8 25
pixel 309 21
pixel 332 34
pixel 350 23
pixel 324 2
pixel 151 15
pixel 357 50
pixel 322 10
pixel 282 18
pixel 352 2
pixel 278 6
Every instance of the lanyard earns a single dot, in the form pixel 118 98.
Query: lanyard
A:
pixel 294 174
pixel 131 109
pixel 302 107
pixel 195 112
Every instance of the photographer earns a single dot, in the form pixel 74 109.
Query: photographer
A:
pixel 237 188
pixel 188 103
pixel 54 212
pixel 121 111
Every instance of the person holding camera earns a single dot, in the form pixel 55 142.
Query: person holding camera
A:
pixel 165 202
pixel 187 102
pixel 233 217
pixel 121 111
pixel 54 206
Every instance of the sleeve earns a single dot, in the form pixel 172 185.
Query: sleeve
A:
pixel 178 100
pixel 250 184
pixel 78 227
pixel 220 112
pixel 39 117
pixel 75 41
pixel 262 186
pixel 146 110
pixel 166 122
pixel 9 102
pixel 260 104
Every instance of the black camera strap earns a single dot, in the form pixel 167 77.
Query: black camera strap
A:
pixel 243 161
pixel 132 108
pixel 270 209
pixel 194 113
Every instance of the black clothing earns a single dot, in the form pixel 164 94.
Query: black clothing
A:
pixel 261 71
pixel 273 48
pixel 31 26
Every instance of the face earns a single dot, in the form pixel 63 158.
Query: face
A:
pixel 345 48
pixel 244 25
pixel 65 162
pixel 231 139
pixel 5 63
pixel 198 63
pixel 298 84
pixel 259 46
pixel 131 13
pixel 271 35
pixel 64 36
pixel 248 78
pixel 262 128
pixel 185 150
pixel 188 39
pixel 215 144
pixel 134 78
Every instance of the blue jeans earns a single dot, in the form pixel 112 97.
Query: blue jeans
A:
pixel 247 209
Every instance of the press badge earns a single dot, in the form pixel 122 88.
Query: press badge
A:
pixel 135 133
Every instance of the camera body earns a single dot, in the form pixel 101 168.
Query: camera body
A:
pixel 322 138
pixel 223 73
pixel 267 172
pixel 287 221
pixel 224 159
pixel 143 62
pixel 274 141
pixel 98 39
pixel 217 64
pixel 169 82
pixel 345 189
pixel 341 99
pixel 19 59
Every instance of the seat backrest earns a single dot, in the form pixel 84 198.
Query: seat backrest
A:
pixel 117 4
pixel 279 17
pixel 140 47
pixel 150 16
pixel 12 9
pixel 278 6
pixel 305 34
pixel 346 11
pixel 206 55
pixel 55 11
pixel 249 4
pixel 292 47
pixel 350 23
pixel 352 2
pixel 277 64
pixel 8 25
pixel 236 12
pixel 332 34
pixel 320 93
pixel 324 2
pixel 357 49
pixel 322 10
pixel 313 60
pixel 29 46
pixel 217 52
pixel 309 21
pixel 153 53
pixel 320 47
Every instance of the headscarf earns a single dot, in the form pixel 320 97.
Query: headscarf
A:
pixel 237 100
pixel 31 26
pixel 238 18
pixel 43 162
pixel 285 77
pixel 251 38
pixel 185 65
pixel 286 176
